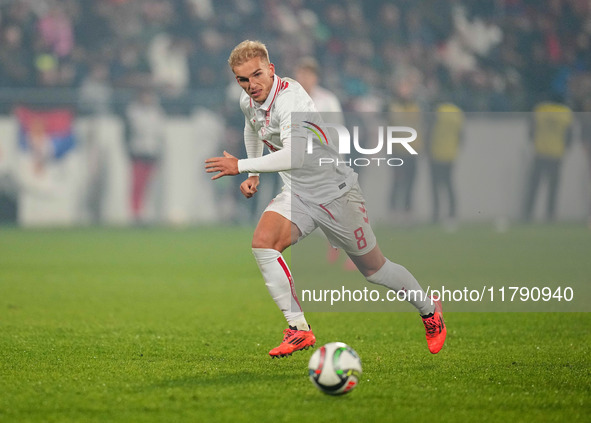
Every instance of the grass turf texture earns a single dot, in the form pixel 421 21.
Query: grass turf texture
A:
pixel 163 325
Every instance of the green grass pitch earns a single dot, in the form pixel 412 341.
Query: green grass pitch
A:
pixel 164 325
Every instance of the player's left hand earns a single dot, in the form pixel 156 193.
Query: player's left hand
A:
pixel 225 166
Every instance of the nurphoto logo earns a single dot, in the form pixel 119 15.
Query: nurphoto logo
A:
pixel 388 137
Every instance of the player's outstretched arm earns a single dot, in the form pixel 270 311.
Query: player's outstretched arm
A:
pixel 248 188
pixel 225 166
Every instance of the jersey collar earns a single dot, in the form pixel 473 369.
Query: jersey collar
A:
pixel 271 97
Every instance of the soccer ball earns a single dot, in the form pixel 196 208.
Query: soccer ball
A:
pixel 335 368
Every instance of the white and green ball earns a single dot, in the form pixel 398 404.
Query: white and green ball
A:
pixel 335 368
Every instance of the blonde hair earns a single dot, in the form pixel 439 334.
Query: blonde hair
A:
pixel 247 50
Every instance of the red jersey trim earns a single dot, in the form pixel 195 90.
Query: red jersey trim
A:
pixel 277 89
pixel 327 211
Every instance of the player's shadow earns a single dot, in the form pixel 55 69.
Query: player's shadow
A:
pixel 229 373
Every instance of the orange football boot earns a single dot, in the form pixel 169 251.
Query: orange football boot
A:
pixel 435 329
pixel 293 340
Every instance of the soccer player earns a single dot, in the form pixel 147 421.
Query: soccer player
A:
pixel 327 197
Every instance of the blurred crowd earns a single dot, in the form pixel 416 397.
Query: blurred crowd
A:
pixel 493 55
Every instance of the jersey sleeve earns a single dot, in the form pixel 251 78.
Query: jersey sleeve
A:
pixel 254 148
pixel 257 163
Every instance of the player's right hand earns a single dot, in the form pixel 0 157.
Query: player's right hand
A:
pixel 249 187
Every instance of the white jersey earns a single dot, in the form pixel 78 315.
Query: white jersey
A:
pixel 283 123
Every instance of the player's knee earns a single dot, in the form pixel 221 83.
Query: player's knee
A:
pixel 264 240
pixel 260 243
pixel 370 263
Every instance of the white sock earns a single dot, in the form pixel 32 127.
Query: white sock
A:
pixel 280 284
pixel 397 278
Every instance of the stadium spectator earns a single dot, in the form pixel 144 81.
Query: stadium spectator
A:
pixel 585 122
pixel 94 102
pixel 95 93
pixel 551 134
pixel 444 140
pixel 16 62
pixel 55 31
pixel 405 111
pixel 146 120
pixel 169 63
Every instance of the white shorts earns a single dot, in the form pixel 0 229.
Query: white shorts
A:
pixel 344 220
